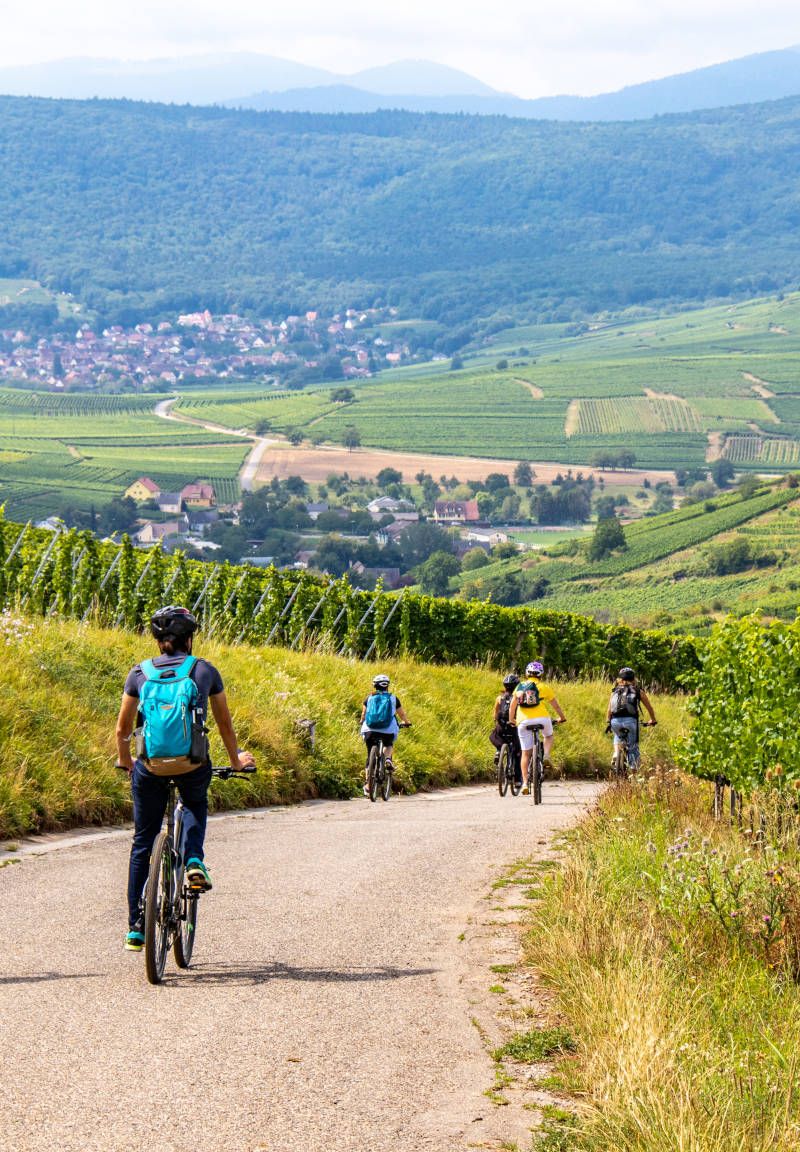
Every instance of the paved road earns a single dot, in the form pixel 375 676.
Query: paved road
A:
pixel 324 1011
pixel 249 469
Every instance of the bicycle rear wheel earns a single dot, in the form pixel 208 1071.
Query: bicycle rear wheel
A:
pixel 183 944
pixel 538 775
pixel 502 769
pixel 372 773
pixel 513 765
pixel 159 895
pixel 386 782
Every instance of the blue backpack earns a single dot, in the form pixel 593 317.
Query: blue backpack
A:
pixel 167 701
pixel 380 710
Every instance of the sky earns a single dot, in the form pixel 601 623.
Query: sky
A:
pixel 528 47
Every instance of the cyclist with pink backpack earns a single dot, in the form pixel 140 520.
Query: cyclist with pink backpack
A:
pixel 379 715
pixel 529 710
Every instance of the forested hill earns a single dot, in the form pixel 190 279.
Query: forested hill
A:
pixel 145 206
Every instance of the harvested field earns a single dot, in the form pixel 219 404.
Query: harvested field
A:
pixel 315 464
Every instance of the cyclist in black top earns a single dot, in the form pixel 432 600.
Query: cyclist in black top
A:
pixel 173 629
pixel 504 732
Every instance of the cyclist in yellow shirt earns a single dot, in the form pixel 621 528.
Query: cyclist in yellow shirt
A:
pixel 526 713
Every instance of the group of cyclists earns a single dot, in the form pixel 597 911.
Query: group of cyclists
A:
pixel 165 705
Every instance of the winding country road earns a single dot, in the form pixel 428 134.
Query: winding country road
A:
pixel 327 1009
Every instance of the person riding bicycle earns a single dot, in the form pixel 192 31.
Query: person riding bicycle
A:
pixel 379 715
pixel 504 732
pixel 623 712
pixel 529 710
pixel 173 628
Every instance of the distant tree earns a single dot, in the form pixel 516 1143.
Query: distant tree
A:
pixel 523 475
pixel 748 487
pixel 435 572
pixel 296 437
pixel 722 472
pixel 119 515
pixel 342 395
pixel 262 427
pixel 351 437
pixel 501 365
pixel 421 540
pixel 296 485
pixel 505 550
pixel 456 364
pixel 388 476
pixel 495 481
pixel 729 557
pixel 608 537
pixel 475 558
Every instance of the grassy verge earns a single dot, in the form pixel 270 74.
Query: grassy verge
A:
pixel 672 946
pixel 62 687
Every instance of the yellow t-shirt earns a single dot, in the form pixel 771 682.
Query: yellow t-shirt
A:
pixel 545 693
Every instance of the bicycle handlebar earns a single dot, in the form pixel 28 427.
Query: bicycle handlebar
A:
pixel 224 773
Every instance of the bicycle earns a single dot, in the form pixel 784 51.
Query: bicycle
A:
pixel 508 774
pixel 379 775
pixel 620 762
pixel 535 773
pixel 170 904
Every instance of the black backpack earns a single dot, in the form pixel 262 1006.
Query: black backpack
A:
pixel 528 694
pixel 625 701
pixel 502 715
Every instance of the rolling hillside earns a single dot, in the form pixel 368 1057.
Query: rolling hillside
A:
pixel 140 209
pixel 682 570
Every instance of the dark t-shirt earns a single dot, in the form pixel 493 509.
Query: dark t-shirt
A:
pixel 205 676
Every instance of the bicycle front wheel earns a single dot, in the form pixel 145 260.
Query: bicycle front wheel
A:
pixel 159 895
pixel 183 944
pixel 372 773
pixel 502 769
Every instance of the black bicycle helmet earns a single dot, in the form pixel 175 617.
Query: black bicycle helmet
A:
pixel 511 680
pixel 627 674
pixel 173 622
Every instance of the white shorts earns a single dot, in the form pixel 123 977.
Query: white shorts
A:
pixel 525 729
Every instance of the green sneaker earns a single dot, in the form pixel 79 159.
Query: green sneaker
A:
pixel 134 941
pixel 197 876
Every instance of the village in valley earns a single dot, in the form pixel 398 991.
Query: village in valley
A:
pixel 198 346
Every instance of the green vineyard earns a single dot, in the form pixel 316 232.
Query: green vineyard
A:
pixel 636 414
pixel 72 575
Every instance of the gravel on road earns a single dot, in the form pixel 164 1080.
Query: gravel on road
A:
pixel 325 1008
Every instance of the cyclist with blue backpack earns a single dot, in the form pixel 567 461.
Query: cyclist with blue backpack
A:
pixel 379 715
pixel 170 696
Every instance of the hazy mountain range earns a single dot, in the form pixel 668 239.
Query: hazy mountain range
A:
pixel 250 80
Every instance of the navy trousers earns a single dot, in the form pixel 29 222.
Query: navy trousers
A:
pixel 149 805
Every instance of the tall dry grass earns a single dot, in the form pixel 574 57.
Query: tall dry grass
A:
pixel 62 685
pixel 687 1040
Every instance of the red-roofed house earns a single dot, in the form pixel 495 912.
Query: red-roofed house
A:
pixel 456 512
pixel 143 489
pixel 198 495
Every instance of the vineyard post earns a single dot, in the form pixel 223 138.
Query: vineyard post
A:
pixel 389 614
pixel 317 607
pixel 138 583
pixel 204 589
pixel 231 596
pixel 257 609
pixel 287 606
pixel 42 563
pixel 346 647
pixel 17 545
pixel 106 577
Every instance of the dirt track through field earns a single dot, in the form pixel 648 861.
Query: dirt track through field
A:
pixel 327 1010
